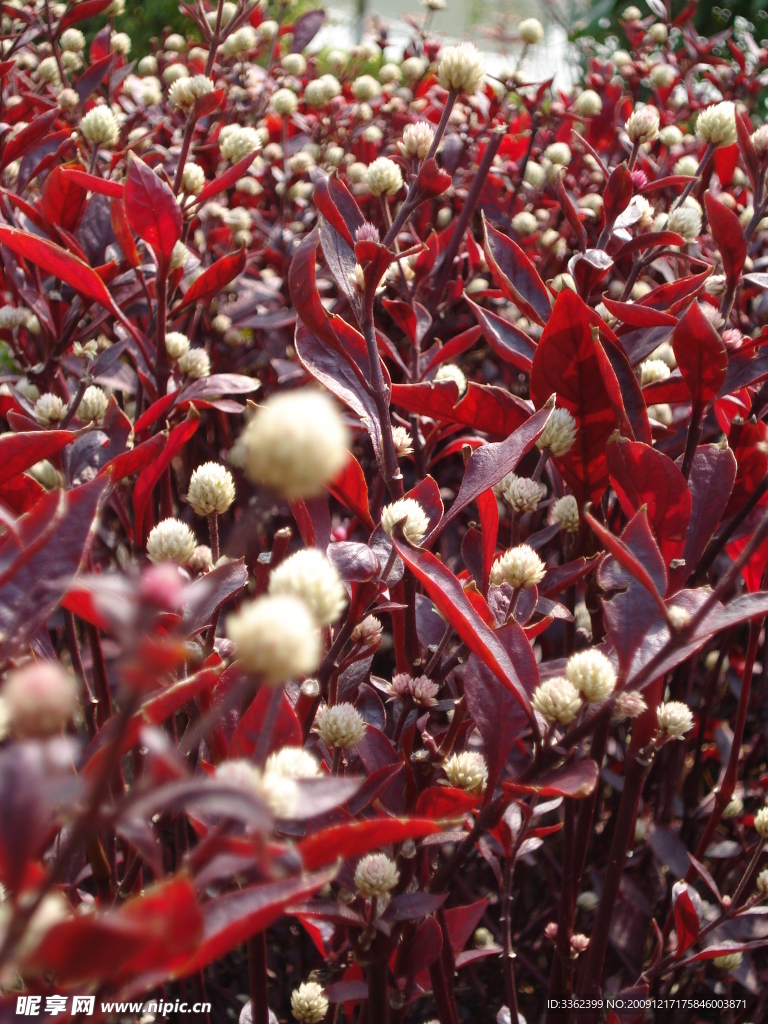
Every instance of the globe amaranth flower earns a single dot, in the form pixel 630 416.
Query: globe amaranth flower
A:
pixel 195 363
pixel 450 371
pixel 176 344
pixel 402 441
pixel 186 91
pixel 173 72
pixel 376 875
pixel 717 124
pixel 566 512
pixel 588 103
pixel 276 636
pixel 309 575
pixel 557 700
pixel 728 961
pixel 292 763
pixel 559 434
pixel 72 39
pixel 530 31
pixel 238 143
pixel 524 223
pixel 284 102
pixel 38 699
pixel 422 690
pixel 49 408
pixel 642 125
pixel 309 1004
pixel 339 726
pixel 179 256
pixel 411 517
pixel 171 541
pixel 520 493
pixel 592 674
pixel 368 631
pixel 296 443
pixel 201 560
pixel 294 63
pixel 365 88
pixel 761 822
pixel 558 153
pixel 686 220
pixel 279 793
pixel 674 718
pixel 100 127
pixel 461 68
pixel 417 139
pixel 628 704
pixel 211 489
pixel 467 771
pixel 193 179
pixel 762 882
pixel 383 177
pixel 93 405
pixel 652 370
pixel 519 567
pixel 679 617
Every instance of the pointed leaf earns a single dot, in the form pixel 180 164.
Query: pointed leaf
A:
pixel 151 208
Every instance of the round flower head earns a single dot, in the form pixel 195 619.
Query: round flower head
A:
pixel 557 700
pixel 592 674
pixel 239 143
pixel 760 140
pixel 558 153
pixel 422 690
pixel 309 1004
pixel 296 443
pixel 734 808
pixel 171 541
pixel 559 434
pixel 450 371
pixel 294 63
pixel 284 102
pixel 173 72
pixel 652 370
pixel 211 489
pixel 176 344
pixel 588 103
pixel 520 493
pixel 717 124
pixel 413 68
pixel 383 177
pixel 524 223
pixel 411 517
pixel 309 575
pixel 519 567
pixel 376 875
pixel 761 822
pixel 93 405
pixel 679 617
pixel 762 882
pixel 276 637
pixel 202 559
pixel 100 127
pixel 467 771
pixel 566 512
pixel 179 256
pixel 365 88
pixel 728 961
pixel 186 91
pixel 461 68
pixel 628 704
pixel 686 220
pixel 403 442
pixel 315 94
pixel 195 363
pixel 530 31
pixel 292 763
pixel 38 699
pixel 670 136
pixel 643 125
pixel 340 726
pixel 368 631
pixel 72 39
pixel 662 76
pixel 674 718
pixel 49 408
pixel 193 179
pixel 417 139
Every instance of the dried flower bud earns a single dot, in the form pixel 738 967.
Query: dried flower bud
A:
pixel 308 1003
pixel 559 434
pixel 171 540
pixel 339 726
pixel 591 673
pixel 411 517
pixel 643 125
pixel 467 771
pixel 383 177
pixel 717 124
pixel 519 567
pixel 309 575
pixel 461 68
pixel 557 700
pixel 530 31
pixel 38 699
pixel 276 636
pixel 211 489
pixel 376 875
pixel 675 719
pixel 296 443
pixel 99 127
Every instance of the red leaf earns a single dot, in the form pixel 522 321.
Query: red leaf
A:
pixel 213 280
pixel 83 11
pixel 729 234
pixel 351 490
pixel 151 208
pixel 25 139
pixel 635 315
pixel 443 803
pixel 148 478
pixel 751 159
pixel 576 780
pixel 686 923
pixel 569 363
pixel 227 179
pixel 63 199
pixel 92 183
pixel 484 407
pixel 617 193
pixel 122 230
pixel 453 604
pixel 625 557
pixel 517 277
pixel 343 842
pixel 507 341
pixel 286 730
pixel 701 356
pixel 20 451
pixel 570 213
pixel 338 207
pixel 642 475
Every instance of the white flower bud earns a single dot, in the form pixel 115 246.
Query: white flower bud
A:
pixel 49 408
pixel 238 144
pixel 368 631
pixel 411 517
pixel 686 220
pixel 557 700
pixel 38 699
pixel 587 900
pixel 176 344
pixel 762 882
pixel 402 441
pixel 315 94
pixel 461 68
pixel 276 637
pixel 450 371
pixel 467 771
pixel 339 726
pixel 11 317
pixel 761 822
pixel 760 140
pixel 417 139
pixel 201 560
pixel 211 489
pixel 284 102
pixel 728 961
pixel 422 690
pixel 652 370
pixel 100 127
pixel 93 405
pixel 175 43
pixel 687 165
pixel 643 125
pixel 48 70
pixel 171 541
pixel 376 875
pixel 524 223
pixel 193 179
pixel 384 177
pixel 195 363
pixel 519 567
pixel 413 68
pixel 522 494
pixel 45 474
pixel 173 72
pixel 628 704
pixel 389 73
pixel 534 176
pixel 294 64
pixel 151 91
pixel 674 718
pixel 267 30
pixel 148 65
pixel 566 511
pixel 186 91
pixel 228 11
pixel 72 39
pixel 308 1003
pixel 592 674
pixel 179 256
pixel 558 153
pixel 662 76
pixel 588 103
pixel 530 31
pixel 292 763
pixel 717 124
pixel 309 575
pixel 670 136
pixel 679 617
pixel 296 443
pixel 734 808
pixel 559 434
pixel 365 88
pixel 120 42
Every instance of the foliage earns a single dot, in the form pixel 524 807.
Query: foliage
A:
pixel 464 714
